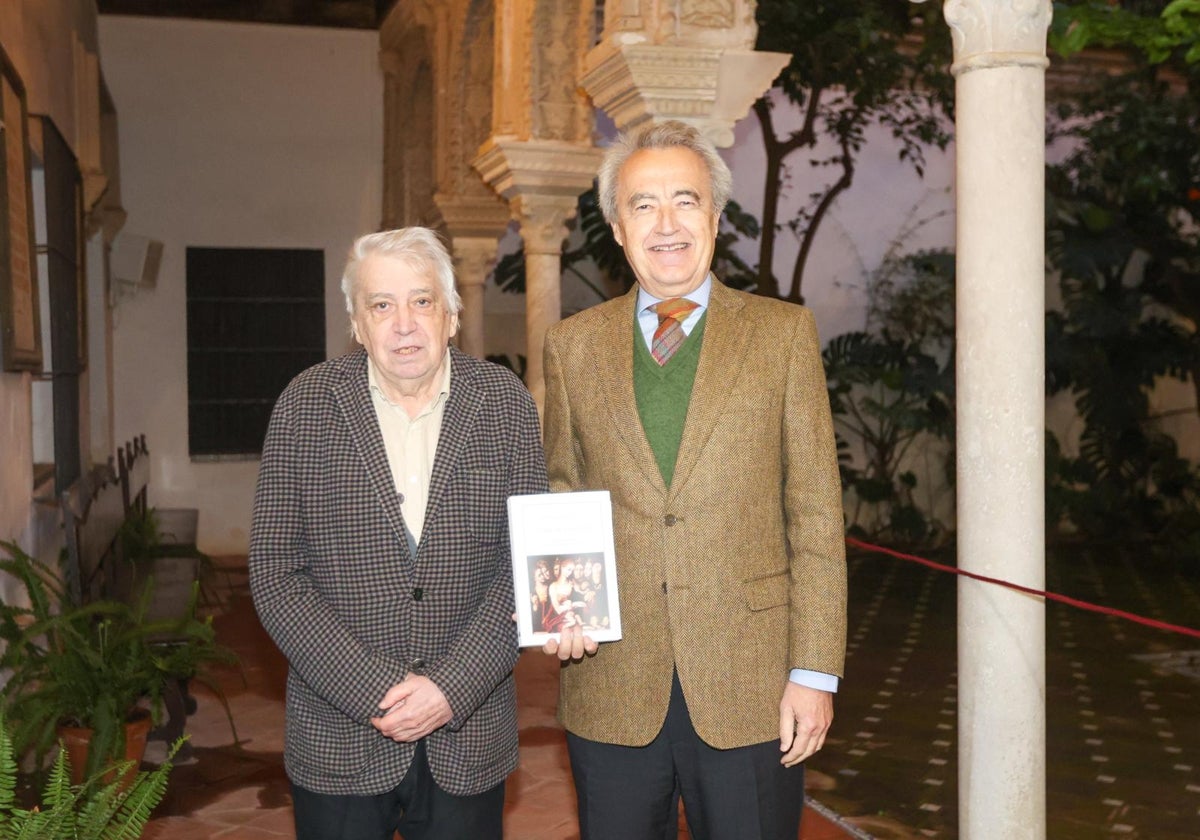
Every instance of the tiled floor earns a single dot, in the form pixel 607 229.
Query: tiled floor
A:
pixel 241 793
pixel 1122 714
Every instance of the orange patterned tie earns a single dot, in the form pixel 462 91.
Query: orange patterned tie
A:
pixel 669 335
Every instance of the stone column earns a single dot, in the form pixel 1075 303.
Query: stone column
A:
pixel 473 258
pixel 542 180
pixel 543 221
pixel 474 224
pixel 999 67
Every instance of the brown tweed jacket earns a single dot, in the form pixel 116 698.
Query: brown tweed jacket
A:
pixel 735 574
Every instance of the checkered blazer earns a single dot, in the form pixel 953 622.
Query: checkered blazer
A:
pixel 335 584
pixel 734 574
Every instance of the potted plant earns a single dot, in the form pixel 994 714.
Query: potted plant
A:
pixel 93 666
pixel 93 810
pixel 159 551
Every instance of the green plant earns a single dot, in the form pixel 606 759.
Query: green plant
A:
pixel 891 388
pixel 91 665
pixel 1158 30
pixel 1122 236
pixel 145 544
pixel 95 810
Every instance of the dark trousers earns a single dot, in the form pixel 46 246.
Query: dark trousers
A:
pixel 631 793
pixel 417 808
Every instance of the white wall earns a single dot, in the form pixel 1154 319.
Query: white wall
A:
pixel 231 135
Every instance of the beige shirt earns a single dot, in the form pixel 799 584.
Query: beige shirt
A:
pixel 411 444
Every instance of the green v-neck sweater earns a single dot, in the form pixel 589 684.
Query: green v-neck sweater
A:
pixel 663 392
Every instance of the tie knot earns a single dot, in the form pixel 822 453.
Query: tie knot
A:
pixel 677 308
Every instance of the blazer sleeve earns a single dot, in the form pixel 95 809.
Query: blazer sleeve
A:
pixel 812 496
pixel 319 648
pixel 485 651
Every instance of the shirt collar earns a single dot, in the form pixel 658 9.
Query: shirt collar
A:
pixel 377 391
pixel 698 295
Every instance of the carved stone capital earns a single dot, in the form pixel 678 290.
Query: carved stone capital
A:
pixel 709 88
pixel 543 220
pixel 998 33
pixel 473 258
pixel 542 167
pixel 482 216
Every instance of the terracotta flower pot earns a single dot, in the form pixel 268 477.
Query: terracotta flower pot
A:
pixel 77 742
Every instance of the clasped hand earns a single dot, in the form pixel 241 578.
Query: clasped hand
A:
pixel 411 709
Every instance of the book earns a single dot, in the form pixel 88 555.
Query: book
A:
pixel 564 565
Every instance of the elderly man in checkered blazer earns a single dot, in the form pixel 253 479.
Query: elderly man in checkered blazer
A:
pixel 379 561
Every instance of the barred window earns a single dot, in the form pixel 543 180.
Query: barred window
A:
pixel 255 319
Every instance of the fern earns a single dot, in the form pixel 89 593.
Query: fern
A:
pixel 96 810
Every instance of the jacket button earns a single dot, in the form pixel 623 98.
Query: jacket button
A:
pixel 664 587
pixel 418 594
pixel 669 520
pixel 417 666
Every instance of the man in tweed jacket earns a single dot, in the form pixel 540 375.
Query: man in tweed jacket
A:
pixel 379 561
pixel 727 516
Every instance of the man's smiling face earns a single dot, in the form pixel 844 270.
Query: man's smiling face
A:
pixel 665 219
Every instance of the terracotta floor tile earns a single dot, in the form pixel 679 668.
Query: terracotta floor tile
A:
pixel 240 792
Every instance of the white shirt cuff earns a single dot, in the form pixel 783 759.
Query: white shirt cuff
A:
pixel 814 679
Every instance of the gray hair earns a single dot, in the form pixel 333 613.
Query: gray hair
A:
pixel 671 134
pixel 423 250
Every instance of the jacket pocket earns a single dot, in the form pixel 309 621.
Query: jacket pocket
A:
pixel 766 592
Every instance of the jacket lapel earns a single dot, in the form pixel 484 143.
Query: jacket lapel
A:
pixel 354 396
pixel 615 384
pixel 458 419
pixel 721 359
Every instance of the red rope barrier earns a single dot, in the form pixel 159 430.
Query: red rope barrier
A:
pixel 1052 596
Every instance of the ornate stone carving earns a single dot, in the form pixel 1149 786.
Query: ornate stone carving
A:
pixel 514 167
pixel 544 221
pixel 713 23
pixel 709 88
pixel 475 85
pixel 706 14
pixel 482 215
pixel 992 33
pixel 555 61
pixel 473 259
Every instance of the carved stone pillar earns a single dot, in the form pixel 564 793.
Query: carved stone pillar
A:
pixel 691 60
pixel 473 259
pixel 999 67
pixel 542 180
pixel 540 154
pixel 543 227
pixel 474 225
